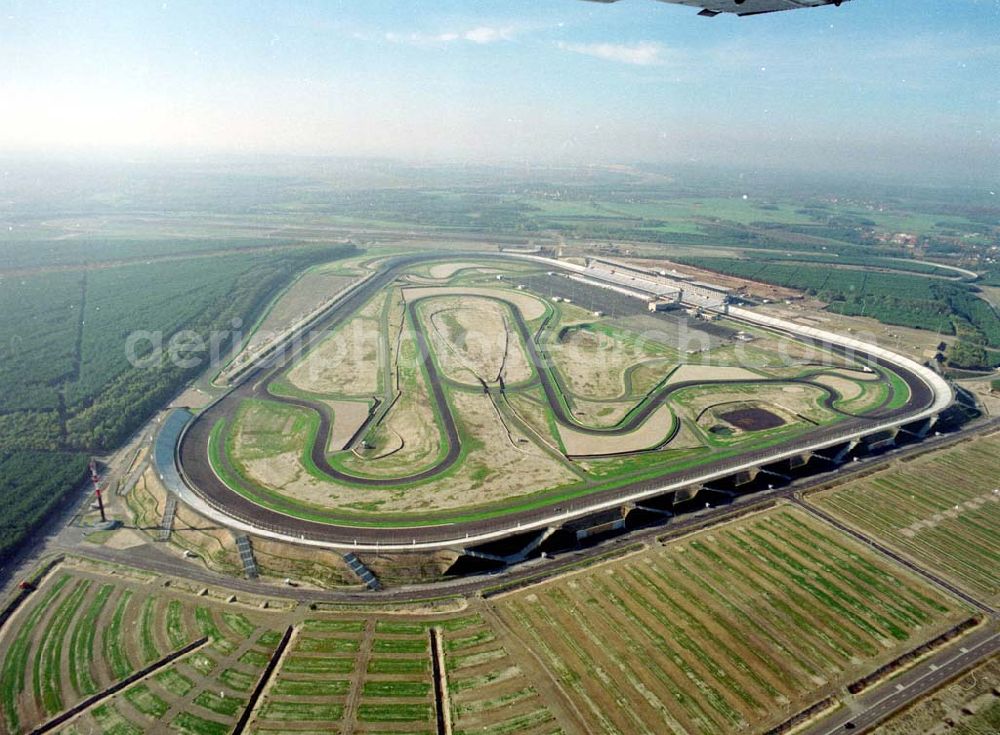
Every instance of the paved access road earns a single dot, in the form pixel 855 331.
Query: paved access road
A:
pixel 872 707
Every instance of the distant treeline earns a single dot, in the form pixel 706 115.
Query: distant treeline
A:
pixel 938 305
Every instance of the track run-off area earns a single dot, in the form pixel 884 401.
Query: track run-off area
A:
pixel 202 465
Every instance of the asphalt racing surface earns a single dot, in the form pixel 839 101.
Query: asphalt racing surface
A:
pixel 196 469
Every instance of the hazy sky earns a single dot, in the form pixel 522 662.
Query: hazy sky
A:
pixel 907 85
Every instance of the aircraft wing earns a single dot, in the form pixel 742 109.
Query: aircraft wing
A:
pixel 712 8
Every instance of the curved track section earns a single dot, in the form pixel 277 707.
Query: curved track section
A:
pixel 929 394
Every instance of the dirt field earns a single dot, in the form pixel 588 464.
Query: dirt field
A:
pixel 988 398
pixel 650 434
pixel 601 413
pixel 410 424
pixel 732 629
pixel 646 375
pixel 346 363
pixel 769 351
pixel 919 344
pixel 348 417
pixel 710 372
pixel 848 389
pixel 315 288
pixel 791 400
pixel 512 468
pixel 531 307
pixel 474 340
pixel 444 271
pixel 593 362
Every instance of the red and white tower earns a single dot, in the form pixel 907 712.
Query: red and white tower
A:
pixel 94 478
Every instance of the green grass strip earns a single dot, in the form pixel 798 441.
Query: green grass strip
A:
pixel 396 689
pixel 48 654
pixel 369 712
pixel 81 644
pixel 114 648
pixel 175 625
pixel 15 661
pixel 149 651
pixel 227 706
pixel 144 700
pixel 189 724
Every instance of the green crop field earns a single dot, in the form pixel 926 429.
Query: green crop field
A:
pixel 369 673
pixel 61 654
pixel 733 628
pixel 942 509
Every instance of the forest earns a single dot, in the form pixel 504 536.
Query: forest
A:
pixel 67 389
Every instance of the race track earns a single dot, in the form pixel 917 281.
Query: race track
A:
pixel 328 528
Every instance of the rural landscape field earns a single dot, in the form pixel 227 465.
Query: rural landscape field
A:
pixel 564 368
pixel 550 389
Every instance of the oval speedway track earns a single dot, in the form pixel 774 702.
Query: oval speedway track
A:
pixel 333 529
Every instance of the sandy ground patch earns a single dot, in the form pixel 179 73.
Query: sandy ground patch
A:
pixel 710 372
pixel 277 471
pixel 126 538
pixel 601 414
pixel 347 362
pixel 531 307
pixel 410 421
pixel 847 389
pixel 348 417
pixel 534 414
pixel 691 402
pixel 309 564
pixel 652 432
pixel 191 398
pixel 988 398
pixel 307 294
pixel 447 270
pixel 473 339
pixel 593 363
pixel 770 351
pixel 507 466
pixel 646 375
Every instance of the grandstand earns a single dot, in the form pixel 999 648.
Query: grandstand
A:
pixel 659 286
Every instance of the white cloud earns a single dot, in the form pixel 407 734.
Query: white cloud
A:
pixel 644 53
pixel 486 34
pixel 480 35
